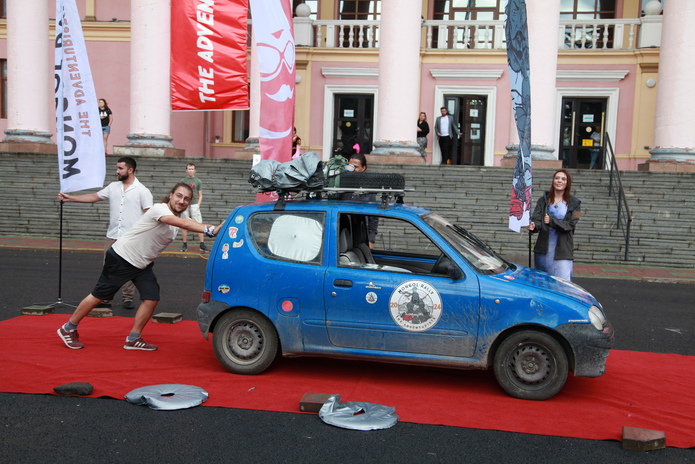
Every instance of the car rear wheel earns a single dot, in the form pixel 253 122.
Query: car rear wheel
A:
pixel 245 342
pixel 531 365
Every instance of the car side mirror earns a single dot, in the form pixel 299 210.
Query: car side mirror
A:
pixel 453 271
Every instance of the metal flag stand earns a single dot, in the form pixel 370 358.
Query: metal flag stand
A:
pixel 47 308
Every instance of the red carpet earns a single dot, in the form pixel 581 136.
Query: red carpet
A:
pixel 644 390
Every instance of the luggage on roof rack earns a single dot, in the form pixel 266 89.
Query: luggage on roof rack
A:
pixel 302 173
pixel 307 173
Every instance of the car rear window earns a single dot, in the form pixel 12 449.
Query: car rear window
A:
pixel 288 236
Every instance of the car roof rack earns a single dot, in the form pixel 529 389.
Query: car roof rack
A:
pixel 332 193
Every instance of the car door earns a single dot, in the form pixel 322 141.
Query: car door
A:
pixel 398 305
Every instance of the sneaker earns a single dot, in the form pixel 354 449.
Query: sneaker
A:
pixel 104 304
pixel 203 247
pixel 184 247
pixel 71 339
pixel 128 304
pixel 139 344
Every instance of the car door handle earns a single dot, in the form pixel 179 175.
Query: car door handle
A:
pixel 342 283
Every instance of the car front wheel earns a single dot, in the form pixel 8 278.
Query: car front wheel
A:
pixel 531 365
pixel 245 342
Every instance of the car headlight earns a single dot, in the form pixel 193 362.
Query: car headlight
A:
pixel 596 317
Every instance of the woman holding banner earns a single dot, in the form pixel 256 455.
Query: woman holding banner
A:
pixel 555 218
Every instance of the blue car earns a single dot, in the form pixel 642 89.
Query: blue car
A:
pixel 302 279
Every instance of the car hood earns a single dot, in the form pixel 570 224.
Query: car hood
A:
pixel 543 281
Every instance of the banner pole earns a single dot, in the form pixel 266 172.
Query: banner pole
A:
pixel 60 255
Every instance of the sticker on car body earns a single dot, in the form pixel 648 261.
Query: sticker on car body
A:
pixel 415 306
pixel 233 231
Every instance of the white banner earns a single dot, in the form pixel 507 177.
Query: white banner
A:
pixel 81 158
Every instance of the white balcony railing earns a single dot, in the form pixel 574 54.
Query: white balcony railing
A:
pixel 599 34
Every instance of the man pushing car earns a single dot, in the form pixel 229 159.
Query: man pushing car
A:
pixel 131 258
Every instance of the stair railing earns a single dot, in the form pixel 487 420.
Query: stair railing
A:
pixel 624 216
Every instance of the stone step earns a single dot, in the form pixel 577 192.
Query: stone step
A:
pixel 475 197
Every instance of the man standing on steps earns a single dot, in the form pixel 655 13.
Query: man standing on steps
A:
pixel 193 211
pixel 447 132
pixel 128 201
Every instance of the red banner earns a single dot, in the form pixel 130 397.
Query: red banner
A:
pixel 273 34
pixel 208 55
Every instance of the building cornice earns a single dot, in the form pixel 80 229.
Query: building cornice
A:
pixel 596 75
pixel 467 74
pixel 364 73
pixel 105 31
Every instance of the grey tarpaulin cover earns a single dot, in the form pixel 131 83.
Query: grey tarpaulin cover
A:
pixel 167 397
pixel 303 172
pixel 357 415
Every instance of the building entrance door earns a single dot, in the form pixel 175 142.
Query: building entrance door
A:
pixel 352 120
pixel 469 112
pixel 581 133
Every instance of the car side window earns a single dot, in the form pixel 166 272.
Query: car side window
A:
pixel 400 246
pixel 288 235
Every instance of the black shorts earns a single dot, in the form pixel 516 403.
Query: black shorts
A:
pixel 117 271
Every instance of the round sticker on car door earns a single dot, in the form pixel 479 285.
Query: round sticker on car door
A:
pixel 415 306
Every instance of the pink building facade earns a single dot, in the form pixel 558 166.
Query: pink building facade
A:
pixel 362 80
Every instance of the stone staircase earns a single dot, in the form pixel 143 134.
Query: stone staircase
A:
pixel 477 198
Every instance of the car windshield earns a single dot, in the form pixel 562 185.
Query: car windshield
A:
pixel 476 252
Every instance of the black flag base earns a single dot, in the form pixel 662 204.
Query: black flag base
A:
pixel 40 309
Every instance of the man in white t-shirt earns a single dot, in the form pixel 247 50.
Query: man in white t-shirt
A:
pixel 128 201
pixel 132 258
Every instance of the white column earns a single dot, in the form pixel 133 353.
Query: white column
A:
pixel 674 137
pixel 29 74
pixel 149 74
pixel 543 18
pixel 399 82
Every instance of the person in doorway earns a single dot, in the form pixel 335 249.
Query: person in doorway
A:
pixel 447 132
pixel 128 201
pixel 554 219
pixel 423 129
pixel 596 148
pixel 359 164
pixel 131 258
pixel 106 116
pixel 193 211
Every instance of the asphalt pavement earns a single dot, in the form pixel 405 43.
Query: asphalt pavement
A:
pixel 648 314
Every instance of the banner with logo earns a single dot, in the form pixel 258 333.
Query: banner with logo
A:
pixel 273 35
pixel 516 30
pixel 208 55
pixel 81 158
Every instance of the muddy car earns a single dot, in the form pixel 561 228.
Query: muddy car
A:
pixel 300 279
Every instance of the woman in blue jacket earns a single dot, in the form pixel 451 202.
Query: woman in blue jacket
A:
pixel 554 219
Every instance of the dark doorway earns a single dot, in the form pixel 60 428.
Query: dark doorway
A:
pixel 470 112
pixel 352 120
pixel 581 117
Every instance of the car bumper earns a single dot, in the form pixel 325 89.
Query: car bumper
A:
pixel 591 347
pixel 207 313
